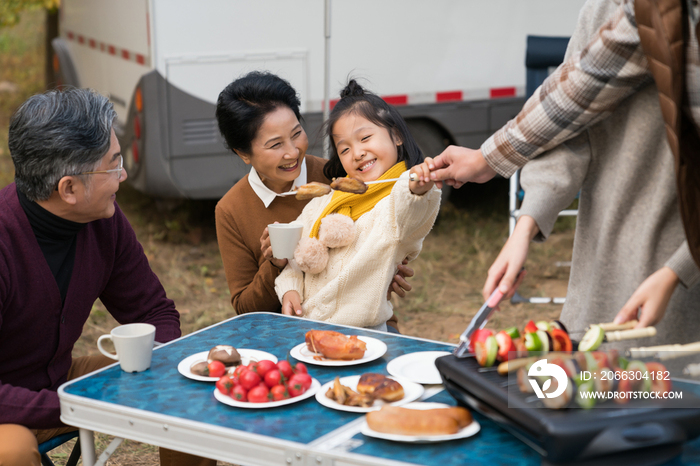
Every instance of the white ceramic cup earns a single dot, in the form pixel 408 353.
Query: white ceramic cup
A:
pixel 133 344
pixel 284 238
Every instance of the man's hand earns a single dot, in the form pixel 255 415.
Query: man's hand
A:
pixel 291 304
pixel 458 165
pixel 504 270
pixel 652 297
pixel 266 248
pixel 400 286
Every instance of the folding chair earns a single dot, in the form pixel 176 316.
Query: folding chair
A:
pixel 542 55
pixel 46 447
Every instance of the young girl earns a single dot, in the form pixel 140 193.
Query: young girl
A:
pixel 351 243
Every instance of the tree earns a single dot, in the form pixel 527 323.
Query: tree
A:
pixel 10 15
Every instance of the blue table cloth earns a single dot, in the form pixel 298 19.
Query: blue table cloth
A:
pixel 164 390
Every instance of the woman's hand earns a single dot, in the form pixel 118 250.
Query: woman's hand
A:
pixel 400 286
pixel 423 183
pixel 266 248
pixel 291 304
pixel 505 269
pixel 652 297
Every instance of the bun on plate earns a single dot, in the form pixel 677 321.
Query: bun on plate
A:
pixel 380 387
pixel 417 422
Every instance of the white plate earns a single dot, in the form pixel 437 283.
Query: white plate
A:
pixel 411 392
pixel 247 355
pixel 227 400
pixel 375 349
pixel 465 432
pixel 417 367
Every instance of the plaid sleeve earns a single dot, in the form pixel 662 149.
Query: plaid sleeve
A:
pixel 582 91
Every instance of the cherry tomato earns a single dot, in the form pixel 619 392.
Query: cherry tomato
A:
pixel 300 368
pixel 253 366
pixel 239 393
pixel 216 369
pixel 259 394
pixel 279 392
pixel 296 385
pixel 249 379
pixel 286 368
pixel 237 373
pixel 264 367
pixel 225 384
pixel 305 380
pixel 274 377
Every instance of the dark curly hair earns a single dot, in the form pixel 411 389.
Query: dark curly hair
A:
pixel 243 105
pixel 355 99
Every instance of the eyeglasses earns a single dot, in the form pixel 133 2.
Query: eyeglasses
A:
pixel 117 170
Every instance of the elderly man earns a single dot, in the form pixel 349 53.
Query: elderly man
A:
pixel 63 244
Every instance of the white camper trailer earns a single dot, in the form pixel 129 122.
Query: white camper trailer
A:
pixel 454 68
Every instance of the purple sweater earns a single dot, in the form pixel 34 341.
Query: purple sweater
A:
pixel 37 332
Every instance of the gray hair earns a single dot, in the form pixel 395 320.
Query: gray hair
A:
pixel 58 133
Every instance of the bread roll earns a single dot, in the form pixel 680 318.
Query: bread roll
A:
pixel 416 422
pixel 461 415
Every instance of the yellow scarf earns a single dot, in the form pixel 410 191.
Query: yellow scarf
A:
pixel 356 205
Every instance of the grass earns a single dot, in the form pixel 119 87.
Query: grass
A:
pixel 179 239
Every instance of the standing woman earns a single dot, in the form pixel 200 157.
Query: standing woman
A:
pixel 259 118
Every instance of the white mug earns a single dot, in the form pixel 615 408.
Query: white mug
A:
pixel 284 238
pixel 133 344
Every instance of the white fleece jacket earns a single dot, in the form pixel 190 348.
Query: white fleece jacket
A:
pixel 352 289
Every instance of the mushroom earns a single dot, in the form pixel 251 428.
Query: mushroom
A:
pixel 226 354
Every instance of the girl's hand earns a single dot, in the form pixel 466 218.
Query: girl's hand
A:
pixel 266 248
pixel 651 297
pixel 291 304
pixel 423 184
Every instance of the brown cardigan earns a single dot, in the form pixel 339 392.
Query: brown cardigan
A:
pixel 241 218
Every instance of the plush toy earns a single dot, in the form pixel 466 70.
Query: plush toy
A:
pixel 311 254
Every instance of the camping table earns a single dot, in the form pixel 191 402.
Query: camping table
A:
pixel 161 407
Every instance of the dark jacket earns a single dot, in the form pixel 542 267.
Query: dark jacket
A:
pixel 37 331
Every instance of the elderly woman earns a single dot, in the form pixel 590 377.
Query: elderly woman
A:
pixel 259 118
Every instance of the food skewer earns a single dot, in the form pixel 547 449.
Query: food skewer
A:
pixel 618 335
pixel 613 326
pixel 651 351
pixel 684 350
pixel 596 335
pixel 412 177
pixel 323 191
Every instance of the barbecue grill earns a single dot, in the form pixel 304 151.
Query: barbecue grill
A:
pixel 642 432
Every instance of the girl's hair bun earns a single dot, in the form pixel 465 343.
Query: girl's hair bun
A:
pixel 352 90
